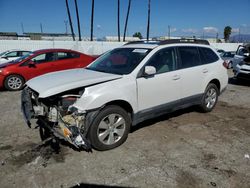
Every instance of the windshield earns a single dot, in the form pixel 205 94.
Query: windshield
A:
pixel 3 53
pixel 22 58
pixel 119 61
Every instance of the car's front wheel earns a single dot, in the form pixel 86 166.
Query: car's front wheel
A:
pixel 110 128
pixel 210 98
pixel 14 82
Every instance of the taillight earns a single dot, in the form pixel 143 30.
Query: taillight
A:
pixel 225 64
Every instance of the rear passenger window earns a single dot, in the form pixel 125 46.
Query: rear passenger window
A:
pixel 62 55
pixel 208 56
pixel 66 55
pixel 74 55
pixel 24 53
pixel 189 56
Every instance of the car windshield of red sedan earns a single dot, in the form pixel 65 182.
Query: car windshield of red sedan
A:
pixel 119 61
pixel 22 58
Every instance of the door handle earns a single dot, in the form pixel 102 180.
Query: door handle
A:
pixel 176 77
pixel 204 70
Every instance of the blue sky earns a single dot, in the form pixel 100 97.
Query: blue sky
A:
pixel 185 17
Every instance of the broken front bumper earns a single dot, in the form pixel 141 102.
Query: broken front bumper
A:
pixel 26 105
pixel 58 127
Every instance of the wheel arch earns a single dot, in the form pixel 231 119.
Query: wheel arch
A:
pixel 217 83
pixel 11 74
pixel 123 104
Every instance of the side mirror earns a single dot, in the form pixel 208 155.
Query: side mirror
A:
pixel 31 63
pixel 149 71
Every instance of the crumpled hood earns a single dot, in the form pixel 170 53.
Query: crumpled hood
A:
pixel 57 82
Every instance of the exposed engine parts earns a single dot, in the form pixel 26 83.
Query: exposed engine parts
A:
pixel 57 115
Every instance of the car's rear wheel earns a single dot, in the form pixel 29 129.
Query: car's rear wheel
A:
pixel 14 82
pixel 210 98
pixel 110 128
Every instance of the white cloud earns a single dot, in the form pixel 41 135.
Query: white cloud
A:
pixel 173 29
pixel 243 25
pixel 189 30
pixel 210 29
pixel 235 30
pixel 99 26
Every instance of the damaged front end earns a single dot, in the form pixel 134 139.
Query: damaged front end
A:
pixel 58 115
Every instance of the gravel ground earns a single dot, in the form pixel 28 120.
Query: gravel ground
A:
pixel 182 149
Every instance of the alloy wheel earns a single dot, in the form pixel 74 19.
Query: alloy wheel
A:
pixel 210 98
pixel 111 129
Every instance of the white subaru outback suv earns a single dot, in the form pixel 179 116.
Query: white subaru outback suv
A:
pixel 96 106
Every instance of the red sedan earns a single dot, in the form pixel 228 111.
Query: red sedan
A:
pixel 14 74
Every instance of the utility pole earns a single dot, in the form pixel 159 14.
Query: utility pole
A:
pixel 70 22
pixel 66 26
pixel 148 27
pixel 239 36
pixel 92 20
pixel 169 31
pixel 217 37
pixel 78 21
pixel 22 27
pixel 41 27
pixel 126 22
pixel 118 20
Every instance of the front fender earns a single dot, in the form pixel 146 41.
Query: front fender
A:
pixel 98 95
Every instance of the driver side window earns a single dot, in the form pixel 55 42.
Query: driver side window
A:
pixel 163 61
pixel 43 58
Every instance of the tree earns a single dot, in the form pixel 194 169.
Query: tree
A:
pixel 70 21
pixel 118 20
pixel 78 21
pixel 227 33
pixel 137 34
pixel 126 22
pixel 92 20
pixel 148 27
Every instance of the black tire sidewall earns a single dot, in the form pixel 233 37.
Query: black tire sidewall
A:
pixel 92 134
pixel 7 79
pixel 203 103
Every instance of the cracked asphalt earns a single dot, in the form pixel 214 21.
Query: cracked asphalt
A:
pixel 182 149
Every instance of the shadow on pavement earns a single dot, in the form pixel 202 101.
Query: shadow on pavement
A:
pixel 84 185
pixel 165 117
pixel 239 82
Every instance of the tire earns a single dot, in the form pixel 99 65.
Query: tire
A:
pixel 14 82
pixel 210 98
pixel 105 135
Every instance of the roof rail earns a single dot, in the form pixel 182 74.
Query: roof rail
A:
pixel 144 42
pixel 170 41
pixel 184 40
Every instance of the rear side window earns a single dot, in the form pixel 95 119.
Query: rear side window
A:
pixel 25 53
pixel 189 56
pixel 208 56
pixel 67 55
pixel 74 55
